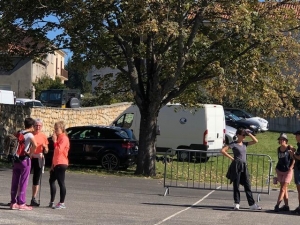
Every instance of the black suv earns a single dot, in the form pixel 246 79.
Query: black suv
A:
pixel 111 147
pixel 62 98
pixel 236 122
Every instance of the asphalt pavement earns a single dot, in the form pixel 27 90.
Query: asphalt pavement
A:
pixel 113 200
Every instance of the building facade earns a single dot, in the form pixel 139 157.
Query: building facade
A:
pixel 26 71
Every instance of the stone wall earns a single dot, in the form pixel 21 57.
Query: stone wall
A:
pixel 12 116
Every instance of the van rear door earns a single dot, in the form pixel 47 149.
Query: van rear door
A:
pixel 7 97
pixel 215 126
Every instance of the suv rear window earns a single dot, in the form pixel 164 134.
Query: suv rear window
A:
pixel 123 134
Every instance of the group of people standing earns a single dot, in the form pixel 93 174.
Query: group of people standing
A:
pixel 287 165
pixel 36 145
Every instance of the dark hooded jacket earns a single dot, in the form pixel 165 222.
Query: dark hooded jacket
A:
pixel 235 168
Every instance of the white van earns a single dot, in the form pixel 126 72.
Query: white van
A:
pixel 179 128
pixel 7 97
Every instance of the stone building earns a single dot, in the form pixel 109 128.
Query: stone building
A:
pixel 26 71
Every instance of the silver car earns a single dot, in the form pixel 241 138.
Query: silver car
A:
pixel 230 134
pixel 29 102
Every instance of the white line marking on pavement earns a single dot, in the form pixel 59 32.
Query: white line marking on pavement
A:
pixel 175 214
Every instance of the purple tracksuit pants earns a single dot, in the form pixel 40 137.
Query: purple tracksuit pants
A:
pixel 19 182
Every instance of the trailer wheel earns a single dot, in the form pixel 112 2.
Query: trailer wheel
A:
pixel 204 159
pixel 183 156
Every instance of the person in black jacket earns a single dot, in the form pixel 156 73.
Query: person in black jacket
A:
pixel 284 171
pixel 238 171
pixel 296 156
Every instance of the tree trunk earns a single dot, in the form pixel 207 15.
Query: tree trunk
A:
pixel 147 139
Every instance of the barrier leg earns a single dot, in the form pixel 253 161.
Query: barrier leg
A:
pixel 166 191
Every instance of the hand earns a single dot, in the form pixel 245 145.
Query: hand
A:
pixel 248 131
pixel 51 169
pixel 54 137
pixel 45 149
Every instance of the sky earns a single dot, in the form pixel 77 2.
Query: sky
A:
pixel 52 34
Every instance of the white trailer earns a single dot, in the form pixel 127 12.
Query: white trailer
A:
pixel 7 97
pixel 200 128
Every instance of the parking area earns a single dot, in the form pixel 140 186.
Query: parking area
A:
pixel 113 200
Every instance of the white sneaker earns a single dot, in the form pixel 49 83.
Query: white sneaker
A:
pixel 255 207
pixel 236 206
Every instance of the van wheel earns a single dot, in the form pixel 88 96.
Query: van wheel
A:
pixel 184 156
pixel 110 161
pixel 201 157
pixel 204 159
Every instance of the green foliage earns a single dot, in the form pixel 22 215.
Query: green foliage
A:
pixel 77 78
pixel 45 82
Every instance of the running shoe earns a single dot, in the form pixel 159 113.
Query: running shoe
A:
pixel 255 207
pixel 34 202
pixel 297 210
pixel 236 206
pixel 13 206
pixel 285 208
pixel 25 207
pixel 59 206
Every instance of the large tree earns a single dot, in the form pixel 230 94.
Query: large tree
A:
pixel 77 78
pixel 229 51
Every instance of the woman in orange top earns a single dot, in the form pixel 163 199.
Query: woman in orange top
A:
pixel 60 164
pixel 37 161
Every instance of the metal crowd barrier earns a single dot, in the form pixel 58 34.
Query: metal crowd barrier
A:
pixel 187 168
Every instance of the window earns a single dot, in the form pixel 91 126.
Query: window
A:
pixel 5 87
pixel 123 134
pixel 76 134
pixel 125 120
pixel 55 96
pixel 238 113
pixel 44 96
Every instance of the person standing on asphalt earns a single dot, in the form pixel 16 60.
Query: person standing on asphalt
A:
pixel 59 165
pixel 296 156
pixel 238 171
pixel 284 170
pixel 37 162
pixel 21 169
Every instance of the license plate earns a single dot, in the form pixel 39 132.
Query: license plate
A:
pixel 210 142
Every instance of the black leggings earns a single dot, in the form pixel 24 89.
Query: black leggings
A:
pixel 58 173
pixel 37 171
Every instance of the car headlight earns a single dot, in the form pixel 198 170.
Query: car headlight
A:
pixel 262 120
pixel 253 126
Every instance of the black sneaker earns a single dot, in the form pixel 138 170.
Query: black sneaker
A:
pixel 34 202
pixel 297 211
pixel 285 208
pixel 51 205
pixel 276 208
